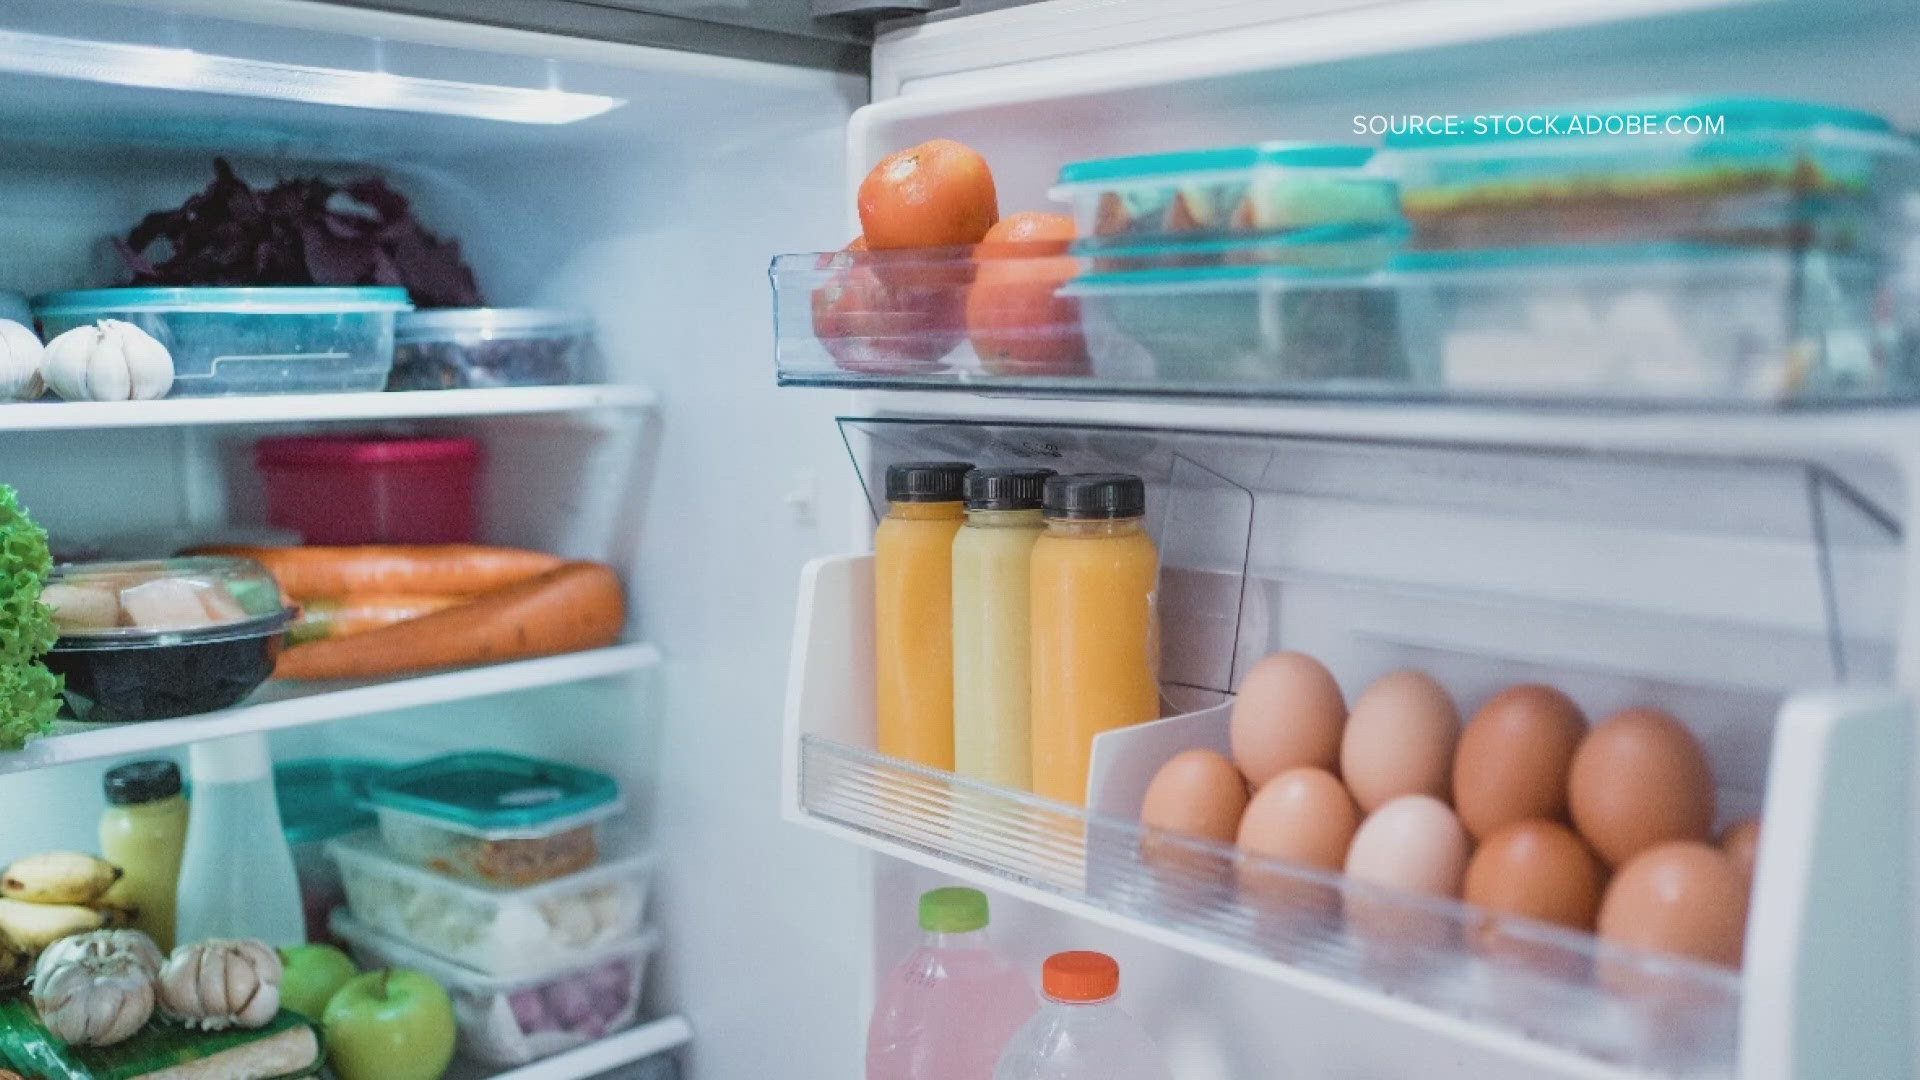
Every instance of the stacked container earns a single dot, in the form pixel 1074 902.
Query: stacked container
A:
pixel 490 872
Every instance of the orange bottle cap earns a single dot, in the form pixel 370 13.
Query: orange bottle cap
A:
pixel 1080 976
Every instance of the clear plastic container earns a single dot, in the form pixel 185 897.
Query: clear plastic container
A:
pixel 1664 324
pixel 1229 327
pixel 499 819
pixel 162 638
pixel 346 490
pixel 1229 191
pixel 513 1020
pixel 274 340
pixel 320 799
pixel 499 931
pixel 447 348
pixel 1747 171
pixel 1079 1032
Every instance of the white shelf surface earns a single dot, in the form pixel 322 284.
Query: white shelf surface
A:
pixel 293 704
pixel 634 1044
pixel 303 408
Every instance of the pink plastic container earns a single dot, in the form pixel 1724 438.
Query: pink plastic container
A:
pixel 338 490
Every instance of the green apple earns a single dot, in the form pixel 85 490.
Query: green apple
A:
pixel 389 1025
pixel 313 973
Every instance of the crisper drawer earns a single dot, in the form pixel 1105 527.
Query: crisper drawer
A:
pixel 1752 600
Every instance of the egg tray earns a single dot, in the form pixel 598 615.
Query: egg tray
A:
pixel 1525 978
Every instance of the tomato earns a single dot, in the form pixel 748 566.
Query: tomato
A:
pixel 885 322
pixel 1018 323
pixel 937 194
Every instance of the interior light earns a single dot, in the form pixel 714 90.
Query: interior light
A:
pixel 184 69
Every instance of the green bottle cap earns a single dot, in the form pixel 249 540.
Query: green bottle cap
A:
pixel 953 911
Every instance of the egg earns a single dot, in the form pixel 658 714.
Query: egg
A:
pixel 1681 897
pixel 1289 713
pixel 1399 740
pixel 1741 842
pixel 1413 843
pixel 1303 815
pixel 1513 759
pixel 1538 869
pixel 1637 779
pixel 1197 793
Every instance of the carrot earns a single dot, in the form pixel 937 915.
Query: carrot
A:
pixel 317 573
pixel 576 606
pixel 343 615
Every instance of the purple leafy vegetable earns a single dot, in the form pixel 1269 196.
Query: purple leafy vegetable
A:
pixel 299 232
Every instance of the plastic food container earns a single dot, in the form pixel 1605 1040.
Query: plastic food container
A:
pixel 1668 324
pixel 449 348
pixel 1238 191
pixel 280 340
pixel 1722 170
pixel 511 1020
pixel 343 490
pixel 173 637
pixel 498 931
pixel 1242 326
pixel 498 819
pixel 320 799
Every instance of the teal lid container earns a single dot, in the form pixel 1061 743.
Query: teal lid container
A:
pixel 321 798
pixel 264 300
pixel 497 796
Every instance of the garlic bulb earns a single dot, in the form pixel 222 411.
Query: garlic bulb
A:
pixel 20 355
pixel 108 361
pixel 96 989
pixel 218 984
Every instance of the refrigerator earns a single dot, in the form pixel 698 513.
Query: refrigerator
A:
pixel 1742 567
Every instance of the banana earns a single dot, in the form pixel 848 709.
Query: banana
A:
pixel 59 877
pixel 33 927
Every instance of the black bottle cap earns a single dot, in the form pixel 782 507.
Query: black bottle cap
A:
pixel 1006 489
pixel 1095 496
pixel 142 782
pixel 926 481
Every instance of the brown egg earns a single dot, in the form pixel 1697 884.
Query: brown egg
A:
pixel 1197 792
pixel 1399 740
pixel 1538 869
pixel 1289 713
pixel 1305 816
pixel 1639 778
pixel 1741 842
pixel 1679 897
pixel 1413 843
pixel 1513 759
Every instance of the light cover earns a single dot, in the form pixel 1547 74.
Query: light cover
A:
pixel 184 69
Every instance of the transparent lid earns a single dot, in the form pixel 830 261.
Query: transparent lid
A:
pixel 321 798
pixel 490 794
pixel 1220 159
pixel 266 299
pixel 198 598
pixel 439 322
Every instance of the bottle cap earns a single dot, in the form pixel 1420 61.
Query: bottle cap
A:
pixel 953 911
pixel 1095 496
pixel 141 782
pixel 1006 489
pixel 1080 976
pixel 926 481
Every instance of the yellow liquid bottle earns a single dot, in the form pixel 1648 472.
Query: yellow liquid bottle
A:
pixel 992 610
pixel 1095 643
pixel 913 611
pixel 143 831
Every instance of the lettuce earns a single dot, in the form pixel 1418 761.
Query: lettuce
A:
pixel 29 693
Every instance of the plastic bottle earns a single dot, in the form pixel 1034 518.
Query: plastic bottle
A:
pixel 949 1008
pixel 237 878
pixel 1095 663
pixel 1079 1033
pixel 992 610
pixel 913 611
pixel 143 831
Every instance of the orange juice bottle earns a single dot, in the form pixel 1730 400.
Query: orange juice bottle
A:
pixel 992 609
pixel 913 611
pixel 1095 645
